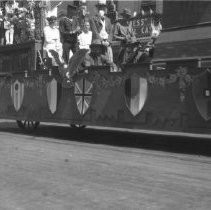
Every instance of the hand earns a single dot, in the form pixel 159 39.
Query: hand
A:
pixel 77 28
pixel 105 43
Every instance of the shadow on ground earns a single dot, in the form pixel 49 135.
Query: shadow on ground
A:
pixel 197 146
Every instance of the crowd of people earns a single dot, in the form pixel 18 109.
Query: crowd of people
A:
pixel 17 22
pixel 71 33
pixel 95 34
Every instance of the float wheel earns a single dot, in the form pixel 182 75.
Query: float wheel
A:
pixel 77 126
pixel 28 125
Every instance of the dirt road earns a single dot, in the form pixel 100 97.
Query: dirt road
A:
pixel 47 171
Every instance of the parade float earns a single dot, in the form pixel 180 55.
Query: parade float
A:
pixel 168 91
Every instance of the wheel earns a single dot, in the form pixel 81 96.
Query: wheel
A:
pixel 28 125
pixel 78 126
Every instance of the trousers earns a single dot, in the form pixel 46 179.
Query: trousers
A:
pixel 67 47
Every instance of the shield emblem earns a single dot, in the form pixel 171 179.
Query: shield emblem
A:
pixel 52 95
pixel 136 89
pixel 83 94
pixel 201 90
pixel 17 94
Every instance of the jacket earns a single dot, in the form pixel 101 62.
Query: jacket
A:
pixel 96 27
pixel 65 27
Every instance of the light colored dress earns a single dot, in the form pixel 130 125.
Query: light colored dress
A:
pixel 52 42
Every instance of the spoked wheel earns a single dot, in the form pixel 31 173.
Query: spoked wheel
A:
pixel 28 125
pixel 77 126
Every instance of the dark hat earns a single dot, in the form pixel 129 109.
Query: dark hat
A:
pixel 101 4
pixel 51 19
pixel 126 12
pixel 72 7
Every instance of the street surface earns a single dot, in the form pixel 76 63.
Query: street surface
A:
pixel 58 168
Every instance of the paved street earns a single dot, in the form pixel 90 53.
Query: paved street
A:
pixel 60 168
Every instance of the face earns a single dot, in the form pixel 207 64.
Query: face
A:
pixel 86 26
pixel 101 12
pixel 52 24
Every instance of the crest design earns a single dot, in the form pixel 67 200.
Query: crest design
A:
pixel 136 89
pixel 201 90
pixel 52 95
pixel 17 94
pixel 83 94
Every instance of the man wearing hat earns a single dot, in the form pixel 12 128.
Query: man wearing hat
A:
pixel 69 28
pixel 83 14
pixel 102 30
pixel 123 31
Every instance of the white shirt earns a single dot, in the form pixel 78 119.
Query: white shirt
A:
pixel 103 34
pixel 85 40
pixel 52 38
pixel 52 41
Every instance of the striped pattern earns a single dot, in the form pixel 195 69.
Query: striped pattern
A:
pixel 136 93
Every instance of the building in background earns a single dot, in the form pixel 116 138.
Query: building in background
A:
pixel 186 33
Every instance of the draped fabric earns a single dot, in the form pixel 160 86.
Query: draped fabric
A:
pixel 185 13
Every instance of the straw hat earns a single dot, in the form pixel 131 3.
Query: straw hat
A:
pixel 126 13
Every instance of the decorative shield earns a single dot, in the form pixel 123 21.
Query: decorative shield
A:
pixel 201 90
pixel 136 89
pixel 17 94
pixel 52 95
pixel 83 94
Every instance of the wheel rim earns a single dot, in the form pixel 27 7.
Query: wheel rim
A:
pixel 28 125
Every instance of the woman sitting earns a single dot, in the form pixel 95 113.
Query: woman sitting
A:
pixel 52 40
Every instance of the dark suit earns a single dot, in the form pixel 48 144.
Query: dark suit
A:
pixel 96 27
pixel 69 41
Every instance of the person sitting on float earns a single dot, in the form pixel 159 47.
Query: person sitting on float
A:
pixel 52 39
pixel 102 34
